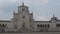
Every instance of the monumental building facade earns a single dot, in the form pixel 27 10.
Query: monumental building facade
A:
pixel 23 21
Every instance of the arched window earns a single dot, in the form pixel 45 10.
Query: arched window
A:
pixel 48 25
pixel 23 25
pixel 23 17
pixel 38 25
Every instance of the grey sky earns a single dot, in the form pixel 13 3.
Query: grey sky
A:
pixel 42 9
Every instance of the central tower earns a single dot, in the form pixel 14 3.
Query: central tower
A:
pixel 22 8
pixel 23 19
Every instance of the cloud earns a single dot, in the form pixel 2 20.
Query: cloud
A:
pixel 41 18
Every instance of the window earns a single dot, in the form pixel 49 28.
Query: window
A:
pixel 0 25
pixel 23 25
pixel 57 25
pixel 23 17
pixel 38 25
pixel 48 25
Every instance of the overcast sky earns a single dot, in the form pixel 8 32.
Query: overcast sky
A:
pixel 42 9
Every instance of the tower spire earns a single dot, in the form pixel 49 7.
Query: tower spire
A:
pixel 22 3
pixel 53 15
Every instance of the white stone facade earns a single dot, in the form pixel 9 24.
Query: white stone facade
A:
pixel 23 20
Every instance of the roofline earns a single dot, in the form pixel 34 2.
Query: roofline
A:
pixel 43 21
pixel 5 20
